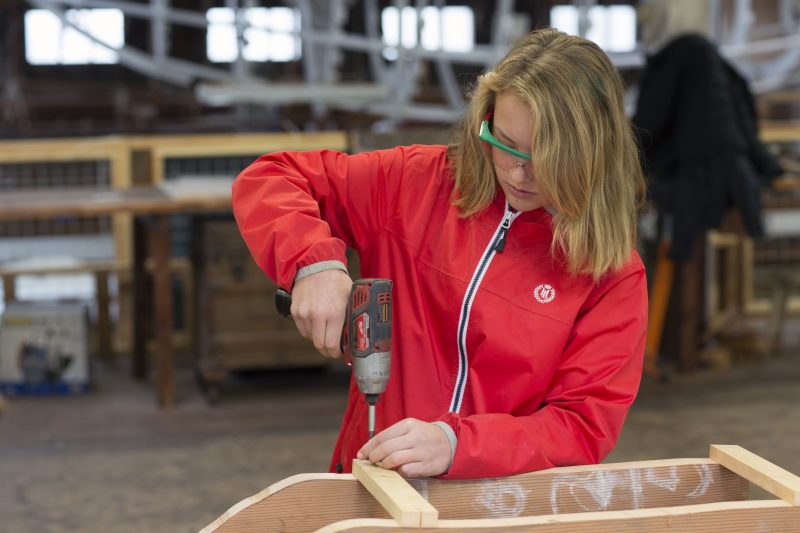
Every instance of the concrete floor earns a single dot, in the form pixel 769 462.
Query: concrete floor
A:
pixel 111 461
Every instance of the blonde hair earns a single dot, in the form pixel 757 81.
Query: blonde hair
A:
pixel 585 159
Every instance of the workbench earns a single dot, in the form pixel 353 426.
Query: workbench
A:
pixel 140 196
pixel 151 207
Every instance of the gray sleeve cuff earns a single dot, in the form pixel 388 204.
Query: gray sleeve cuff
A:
pixel 319 267
pixel 451 437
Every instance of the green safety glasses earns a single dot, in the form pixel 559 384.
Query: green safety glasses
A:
pixel 485 134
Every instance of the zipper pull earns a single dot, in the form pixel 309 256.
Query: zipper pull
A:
pixel 500 243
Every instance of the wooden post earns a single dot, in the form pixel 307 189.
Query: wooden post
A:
pixel 768 476
pixel 691 306
pixel 162 312
pixel 141 301
pixel 9 288
pixel 657 314
pixel 121 166
pixel 104 350
pixel 399 499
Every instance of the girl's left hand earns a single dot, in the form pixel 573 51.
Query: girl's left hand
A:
pixel 412 447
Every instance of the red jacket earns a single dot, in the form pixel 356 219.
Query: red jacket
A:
pixel 530 366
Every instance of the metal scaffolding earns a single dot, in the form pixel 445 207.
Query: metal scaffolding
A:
pixel 770 63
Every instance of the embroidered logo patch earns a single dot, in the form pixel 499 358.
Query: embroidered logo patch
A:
pixel 544 293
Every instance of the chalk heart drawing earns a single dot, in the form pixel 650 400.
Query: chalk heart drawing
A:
pixel 502 499
pixel 595 491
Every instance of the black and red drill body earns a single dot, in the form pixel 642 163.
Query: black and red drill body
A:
pixel 366 338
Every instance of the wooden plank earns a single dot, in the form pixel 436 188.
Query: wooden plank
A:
pixel 46 203
pixel 609 487
pixel 768 476
pixel 89 148
pixel 221 145
pixel 780 131
pixel 83 149
pixel 727 517
pixel 81 266
pixel 399 498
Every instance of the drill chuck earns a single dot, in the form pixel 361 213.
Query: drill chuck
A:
pixel 372 372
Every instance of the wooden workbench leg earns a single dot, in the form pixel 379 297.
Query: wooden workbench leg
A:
pixel 162 314
pixel 657 313
pixel 691 307
pixel 104 350
pixel 140 299
pixel 9 288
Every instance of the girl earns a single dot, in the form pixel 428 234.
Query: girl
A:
pixel 519 301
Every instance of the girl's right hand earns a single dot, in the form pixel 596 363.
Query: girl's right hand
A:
pixel 319 305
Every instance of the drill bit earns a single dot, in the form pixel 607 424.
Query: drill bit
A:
pixel 372 399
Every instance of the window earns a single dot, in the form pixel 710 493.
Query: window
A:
pixel 450 28
pixel 613 28
pixel 270 34
pixel 48 41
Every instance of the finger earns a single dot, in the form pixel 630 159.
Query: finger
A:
pixel 370 445
pixel 365 450
pixel 318 336
pixel 399 458
pixel 385 449
pixel 397 429
pixel 333 338
pixel 414 469
pixel 392 432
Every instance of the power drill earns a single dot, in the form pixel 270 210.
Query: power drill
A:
pixel 366 338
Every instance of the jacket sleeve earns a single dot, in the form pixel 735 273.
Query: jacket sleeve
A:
pixel 588 398
pixel 655 107
pixel 295 209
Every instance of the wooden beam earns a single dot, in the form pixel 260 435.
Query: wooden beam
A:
pixel 780 131
pixel 728 517
pixel 399 498
pixel 768 476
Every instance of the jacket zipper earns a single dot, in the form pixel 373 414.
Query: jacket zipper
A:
pixel 496 245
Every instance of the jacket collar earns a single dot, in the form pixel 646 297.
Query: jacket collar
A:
pixel 540 216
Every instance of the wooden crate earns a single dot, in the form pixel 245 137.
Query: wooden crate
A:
pixel 237 325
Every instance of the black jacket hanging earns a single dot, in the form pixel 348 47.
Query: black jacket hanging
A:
pixel 697 129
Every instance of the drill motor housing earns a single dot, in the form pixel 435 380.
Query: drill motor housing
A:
pixel 367 336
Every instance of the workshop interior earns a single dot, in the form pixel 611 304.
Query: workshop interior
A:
pixel 156 373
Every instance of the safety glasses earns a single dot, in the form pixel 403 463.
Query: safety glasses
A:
pixel 485 134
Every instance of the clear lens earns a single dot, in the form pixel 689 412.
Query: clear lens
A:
pixel 509 162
